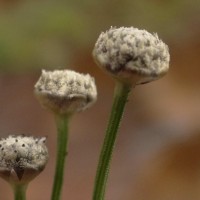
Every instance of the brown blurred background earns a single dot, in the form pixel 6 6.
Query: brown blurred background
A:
pixel 157 156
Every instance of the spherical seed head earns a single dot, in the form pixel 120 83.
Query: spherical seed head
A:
pixel 22 158
pixel 65 91
pixel 132 55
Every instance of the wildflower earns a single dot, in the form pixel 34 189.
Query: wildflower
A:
pixel 131 55
pixel 64 92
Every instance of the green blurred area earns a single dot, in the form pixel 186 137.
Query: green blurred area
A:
pixel 37 34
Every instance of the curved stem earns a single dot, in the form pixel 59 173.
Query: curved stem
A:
pixel 120 99
pixel 62 140
pixel 20 192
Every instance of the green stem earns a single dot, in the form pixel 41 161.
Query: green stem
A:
pixel 62 140
pixel 20 192
pixel 120 99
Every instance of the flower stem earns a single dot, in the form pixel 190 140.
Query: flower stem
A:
pixel 120 99
pixel 62 140
pixel 20 192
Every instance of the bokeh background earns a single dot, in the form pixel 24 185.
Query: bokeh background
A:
pixel 157 151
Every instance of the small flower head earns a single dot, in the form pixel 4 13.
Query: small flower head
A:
pixel 65 91
pixel 132 55
pixel 22 158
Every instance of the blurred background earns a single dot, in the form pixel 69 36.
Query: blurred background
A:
pixel 157 151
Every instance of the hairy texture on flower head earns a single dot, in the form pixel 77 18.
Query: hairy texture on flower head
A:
pixel 22 158
pixel 132 55
pixel 65 91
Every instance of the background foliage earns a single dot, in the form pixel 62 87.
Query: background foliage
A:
pixel 50 33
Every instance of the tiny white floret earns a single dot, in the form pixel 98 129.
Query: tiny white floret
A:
pixel 132 55
pixel 22 158
pixel 65 91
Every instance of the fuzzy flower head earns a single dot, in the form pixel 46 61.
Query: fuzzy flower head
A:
pixel 132 55
pixel 65 91
pixel 22 158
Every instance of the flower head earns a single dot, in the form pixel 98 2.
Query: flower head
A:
pixel 132 55
pixel 22 158
pixel 65 91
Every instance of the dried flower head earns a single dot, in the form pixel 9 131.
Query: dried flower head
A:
pixel 132 55
pixel 65 91
pixel 22 158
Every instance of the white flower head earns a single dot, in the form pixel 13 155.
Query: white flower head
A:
pixel 65 91
pixel 132 55
pixel 22 158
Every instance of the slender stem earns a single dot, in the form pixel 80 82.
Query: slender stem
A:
pixel 20 192
pixel 120 99
pixel 62 140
